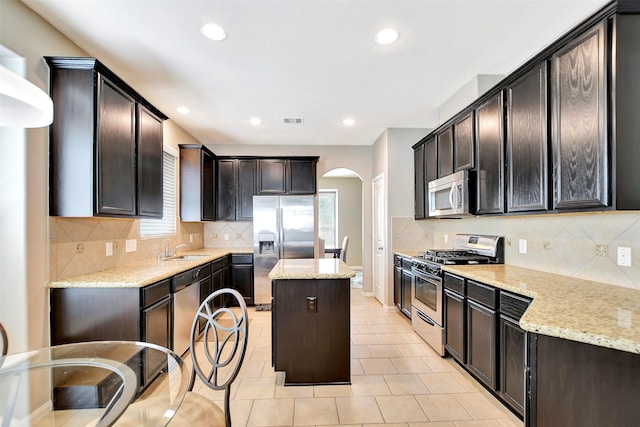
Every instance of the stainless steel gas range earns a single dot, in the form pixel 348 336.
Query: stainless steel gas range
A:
pixel 427 311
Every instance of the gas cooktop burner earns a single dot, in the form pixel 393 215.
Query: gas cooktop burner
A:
pixel 468 249
pixel 455 257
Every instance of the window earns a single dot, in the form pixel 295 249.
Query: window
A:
pixel 328 217
pixel 166 225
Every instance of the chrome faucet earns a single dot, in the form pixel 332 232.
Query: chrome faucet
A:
pixel 166 250
pixel 175 250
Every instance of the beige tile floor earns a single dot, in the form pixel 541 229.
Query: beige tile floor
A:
pixel 396 379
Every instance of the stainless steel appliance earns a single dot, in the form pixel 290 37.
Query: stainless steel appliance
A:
pixel 185 288
pixel 283 227
pixel 449 195
pixel 427 299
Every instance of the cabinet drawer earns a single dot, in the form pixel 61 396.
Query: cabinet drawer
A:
pixel 241 258
pixel 155 292
pixel 513 306
pixel 454 283
pixel 217 264
pixel 205 270
pixel 483 294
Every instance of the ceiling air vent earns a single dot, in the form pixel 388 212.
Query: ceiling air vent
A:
pixel 292 120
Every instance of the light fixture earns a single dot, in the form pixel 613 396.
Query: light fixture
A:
pixel 348 122
pixel 255 121
pixel 183 110
pixel 387 36
pixel 23 104
pixel 213 32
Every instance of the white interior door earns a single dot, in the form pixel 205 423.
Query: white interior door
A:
pixel 379 237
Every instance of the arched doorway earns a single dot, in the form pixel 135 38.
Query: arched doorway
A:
pixel 340 212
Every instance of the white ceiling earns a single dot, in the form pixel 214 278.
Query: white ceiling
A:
pixel 314 59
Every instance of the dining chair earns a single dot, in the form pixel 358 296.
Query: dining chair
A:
pixel 217 357
pixel 343 251
pixel 4 342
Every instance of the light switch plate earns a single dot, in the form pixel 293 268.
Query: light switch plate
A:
pixel 109 249
pixel 523 246
pixel 130 245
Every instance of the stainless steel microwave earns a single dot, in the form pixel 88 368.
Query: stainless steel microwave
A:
pixel 449 195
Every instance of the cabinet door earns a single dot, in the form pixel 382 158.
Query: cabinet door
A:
pixel 418 182
pixel 397 287
pixel 431 160
pixel 208 186
pixel 156 329
pixel 116 151
pixel 481 343
pixel 527 142
pixel 150 163
pixel 301 177
pixel 406 293
pixel 455 336
pixel 464 143
pixel 271 176
pixel 490 147
pixel 242 280
pixel 445 152
pixel 578 126
pixel 513 344
pixel 226 194
pixel 246 189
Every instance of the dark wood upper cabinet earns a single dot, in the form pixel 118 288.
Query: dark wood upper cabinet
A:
pixel 527 142
pixel 490 166
pixel 271 176
pixel 431 160
pixel 579 122
pixel 236 188
pixel 226 196
pixel 105 144
pixel 445 152
pixel 246 189
pixel 150 163
pixel 419 182
pixel 464 143
pixel 301 176
pixel 197 183
pixel 287 176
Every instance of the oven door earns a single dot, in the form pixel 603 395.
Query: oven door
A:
pixel 426 294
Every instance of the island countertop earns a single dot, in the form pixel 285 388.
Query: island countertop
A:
pixel 309 268
pixel 567 307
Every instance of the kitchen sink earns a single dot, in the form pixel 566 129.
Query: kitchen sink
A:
pixel 186 258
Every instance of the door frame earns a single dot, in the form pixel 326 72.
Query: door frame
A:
pixel 379 292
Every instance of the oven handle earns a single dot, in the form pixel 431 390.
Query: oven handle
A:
pixel 424 317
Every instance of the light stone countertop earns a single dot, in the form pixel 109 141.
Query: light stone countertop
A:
pixel 143 273
pixel 566 307
pixel 309 268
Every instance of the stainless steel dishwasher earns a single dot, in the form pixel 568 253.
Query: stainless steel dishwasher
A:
pixel 185 288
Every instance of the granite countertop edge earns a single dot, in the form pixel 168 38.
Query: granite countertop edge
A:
pixel 309 269
pixel 143 273
pixel 567 307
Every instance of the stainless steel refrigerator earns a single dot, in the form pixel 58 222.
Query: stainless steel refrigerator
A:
pixel 283 227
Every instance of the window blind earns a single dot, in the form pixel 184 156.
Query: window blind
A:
pixel 166 225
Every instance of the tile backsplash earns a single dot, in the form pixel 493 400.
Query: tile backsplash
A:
pixel 221 234
pixel 580 245
pixel 78 245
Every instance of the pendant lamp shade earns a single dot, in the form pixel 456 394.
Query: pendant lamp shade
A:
pixel 23 104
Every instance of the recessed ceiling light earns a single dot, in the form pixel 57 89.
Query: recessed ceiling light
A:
pixel 183 110
pixel 213 32
pixel 348 122
pixel 387 36
pixel 255 121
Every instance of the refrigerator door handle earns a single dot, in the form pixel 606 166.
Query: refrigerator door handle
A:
pixel 279 249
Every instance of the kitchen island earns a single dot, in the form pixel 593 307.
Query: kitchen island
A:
pixel 311 321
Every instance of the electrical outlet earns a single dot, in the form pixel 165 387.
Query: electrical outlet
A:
pixel 446 237
pixel 109 248
pixel 190 238
pixel 226 236
pixel 522 246
pixel 130 245
pixel 624 256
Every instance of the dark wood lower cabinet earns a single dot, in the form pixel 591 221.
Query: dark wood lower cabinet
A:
pixel 455 332
pixel 481 343
pixel 585 385
pixel 311 335
pixel 513 344
pixel 242 276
